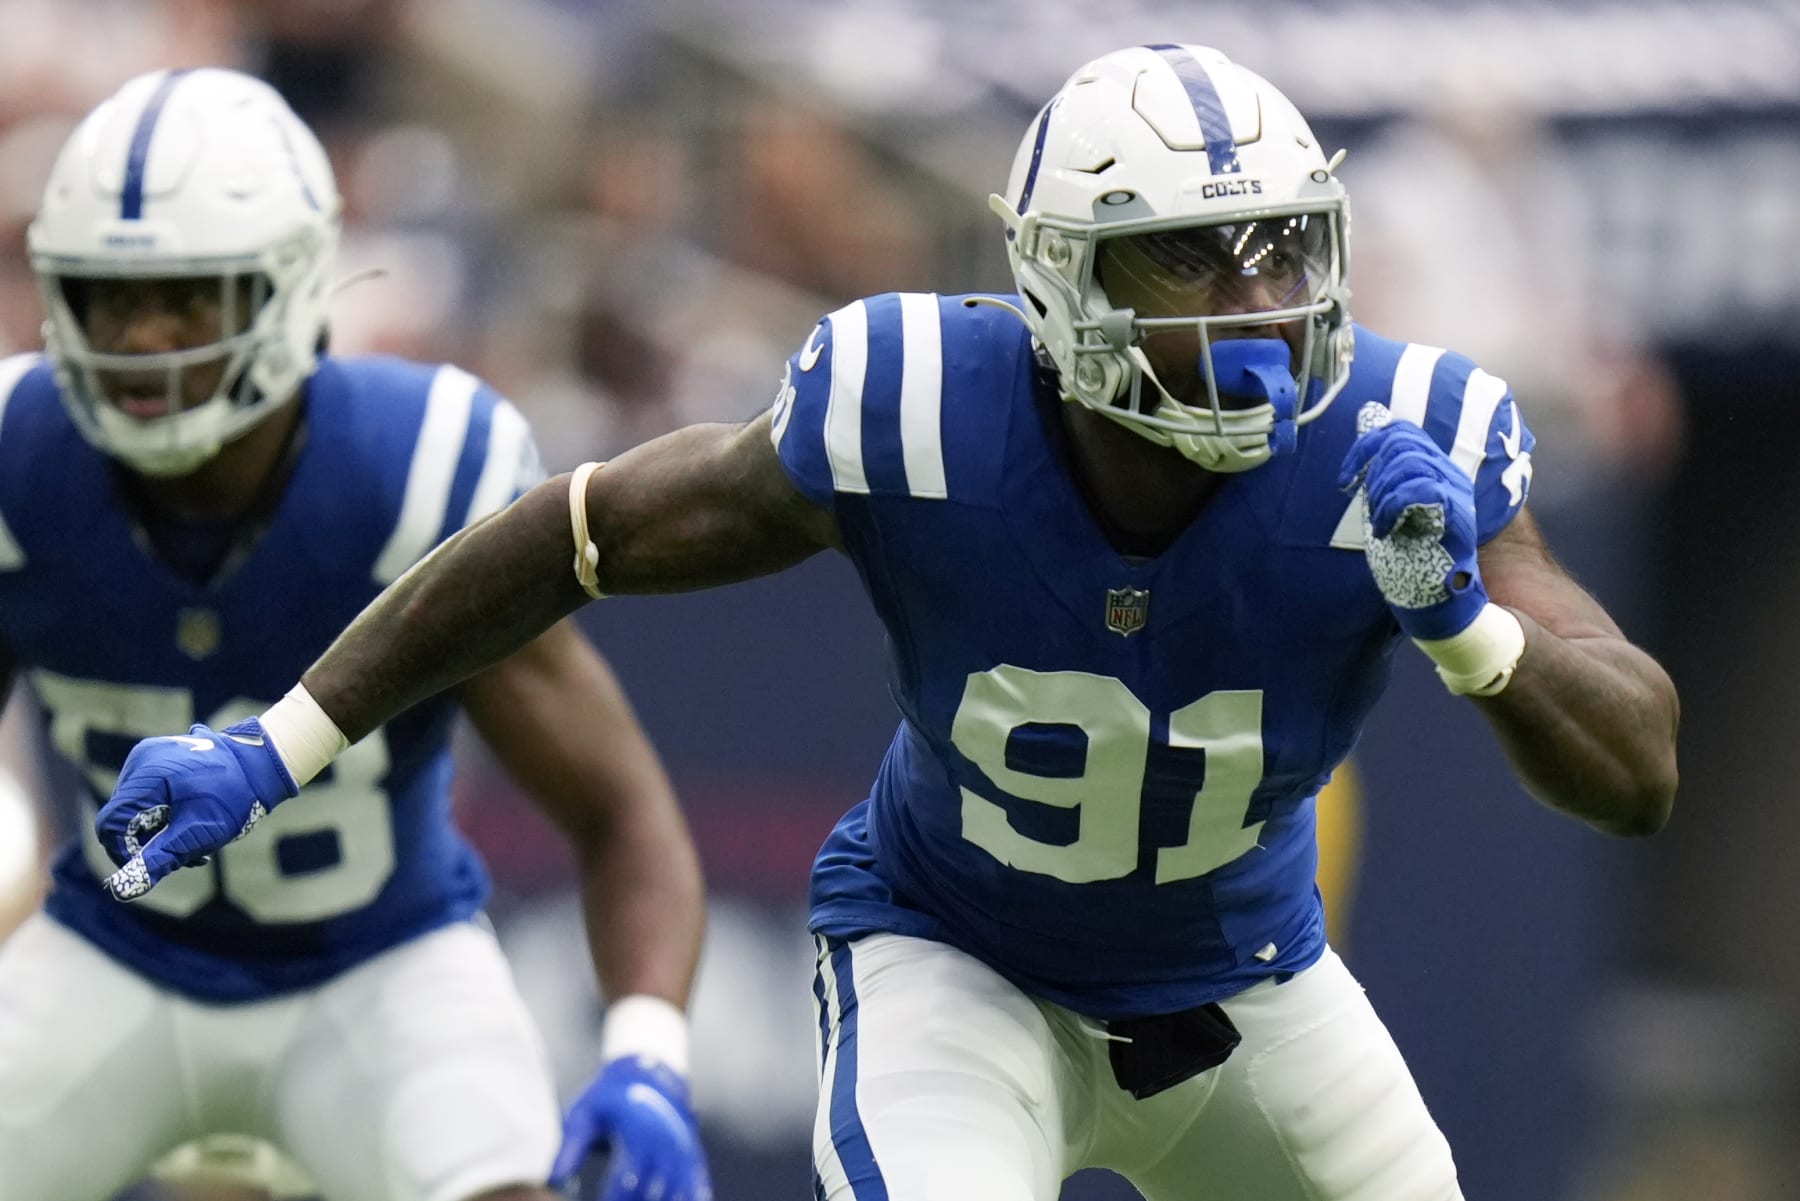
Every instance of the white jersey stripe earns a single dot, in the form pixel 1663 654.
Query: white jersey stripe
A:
pixel 783 408
pixel 12 370
pixel 1412 382
pixel 921 395
pixel 432 473
pixel 1481 398
pixel 500 471
pixel 843 410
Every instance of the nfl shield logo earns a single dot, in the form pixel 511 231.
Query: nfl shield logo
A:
pixel 1127 609
pixel 197 632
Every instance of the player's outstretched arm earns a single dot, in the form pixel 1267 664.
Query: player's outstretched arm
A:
pixel 705 505
pixel 1588 719
pixel 562 726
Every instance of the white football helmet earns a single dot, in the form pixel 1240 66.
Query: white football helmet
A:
pixel 188 175
pixel 1183 174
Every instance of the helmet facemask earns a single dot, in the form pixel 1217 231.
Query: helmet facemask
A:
pixel 163 412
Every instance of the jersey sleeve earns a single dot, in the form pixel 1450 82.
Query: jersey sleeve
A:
pixel 1503 476
pixel 799 416
pixel 858 412
pixel 1475 418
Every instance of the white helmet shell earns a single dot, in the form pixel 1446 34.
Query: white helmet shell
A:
pixel 1166 138
pixel 198 173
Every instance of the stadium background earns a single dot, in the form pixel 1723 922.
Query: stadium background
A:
pixel 626 213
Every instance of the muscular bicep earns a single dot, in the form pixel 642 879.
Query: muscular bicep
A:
pixel 1521 573
pixel 706 505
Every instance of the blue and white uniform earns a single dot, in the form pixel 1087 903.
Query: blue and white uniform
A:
pixel 1102 786
pixel 367 881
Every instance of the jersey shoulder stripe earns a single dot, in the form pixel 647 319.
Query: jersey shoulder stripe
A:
pixel 922 395
pixel 896 396
pixel 1469 413
pixel 431 474
pixel 1410 394
pixel 471 453
pixel 883 434
pixel 861 409
pixel 510 466
pixel 1459 406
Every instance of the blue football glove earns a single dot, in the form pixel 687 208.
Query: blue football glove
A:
pixel 1418 525
pixel 181 798
pixel 638 1109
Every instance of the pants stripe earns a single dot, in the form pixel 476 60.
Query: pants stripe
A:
pixel 823 1004
pixel 848 1138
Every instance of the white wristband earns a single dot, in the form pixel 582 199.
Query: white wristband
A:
pixel 645 1025
pixel 303 736
pixel 587 555
pixel 1481 660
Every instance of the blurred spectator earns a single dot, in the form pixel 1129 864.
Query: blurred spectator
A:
pixel 27 149
pixel 1470 232
pixel 812 206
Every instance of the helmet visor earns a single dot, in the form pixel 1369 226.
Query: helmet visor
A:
pixel 1190 286
pixel 1238 268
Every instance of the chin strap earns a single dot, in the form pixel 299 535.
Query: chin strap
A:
pixel 587 555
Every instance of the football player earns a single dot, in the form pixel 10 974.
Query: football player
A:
pixel 194 497
pixel 1145 536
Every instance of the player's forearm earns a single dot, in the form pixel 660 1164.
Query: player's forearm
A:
pixel 558 719
pixel 1589 724
pixel 645 911
pixel 476 599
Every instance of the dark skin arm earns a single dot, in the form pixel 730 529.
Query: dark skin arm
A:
pixel 557 719
pixel 1588 720
pixel 703 506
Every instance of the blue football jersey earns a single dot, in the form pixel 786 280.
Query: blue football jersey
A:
pixel 115 647
pixel 1103 781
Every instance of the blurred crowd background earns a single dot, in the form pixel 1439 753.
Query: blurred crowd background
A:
pixel 627 213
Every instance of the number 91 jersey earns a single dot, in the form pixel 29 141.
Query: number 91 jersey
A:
pixel 1104 777
pixel 117 647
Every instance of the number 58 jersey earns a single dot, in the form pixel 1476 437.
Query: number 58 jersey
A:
pixel 116 647
pixel 1103 780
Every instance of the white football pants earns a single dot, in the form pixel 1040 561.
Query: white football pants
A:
pixel 416 1076
pixel 940 1081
